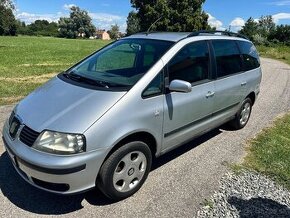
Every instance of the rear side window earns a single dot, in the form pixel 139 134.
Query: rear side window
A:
pixel 228 58
pixel 191 63
pixel 250 55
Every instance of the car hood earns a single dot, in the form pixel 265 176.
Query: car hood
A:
pixel 63 107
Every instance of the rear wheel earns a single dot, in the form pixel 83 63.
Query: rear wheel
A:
pixel 243 115
pixel 125 171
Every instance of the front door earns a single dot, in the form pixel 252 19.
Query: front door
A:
pixel 186 114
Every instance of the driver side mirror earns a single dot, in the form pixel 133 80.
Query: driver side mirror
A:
pixel 180 86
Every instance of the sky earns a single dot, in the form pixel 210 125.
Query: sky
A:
pixel 223 14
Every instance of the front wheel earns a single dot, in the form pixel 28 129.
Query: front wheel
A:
pixel 243 115
pixel 125 171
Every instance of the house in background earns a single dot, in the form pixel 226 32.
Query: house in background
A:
pixel 102 34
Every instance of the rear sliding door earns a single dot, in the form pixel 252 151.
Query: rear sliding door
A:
pixel 230 81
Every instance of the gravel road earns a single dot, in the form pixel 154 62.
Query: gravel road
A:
pixel 247 194
pixel 179 181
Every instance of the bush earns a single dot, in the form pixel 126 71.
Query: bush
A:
pixel 260 40
pixel 275 41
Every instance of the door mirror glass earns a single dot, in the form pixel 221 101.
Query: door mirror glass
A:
pixel 180 86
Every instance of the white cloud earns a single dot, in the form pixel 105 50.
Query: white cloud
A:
pixel 213 22
pixel 30 18
pixel 123 27
pixel 105 17
pixel 67 7
pixel 105 20
pixel 281 3
pixel 237 24
pixel 280 16
pixel 100 20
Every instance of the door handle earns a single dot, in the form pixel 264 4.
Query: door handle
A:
pixel 210 94
pixel 243 83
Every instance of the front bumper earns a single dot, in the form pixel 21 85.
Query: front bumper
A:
pixel 54 173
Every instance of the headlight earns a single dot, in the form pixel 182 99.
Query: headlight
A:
pixel 60 143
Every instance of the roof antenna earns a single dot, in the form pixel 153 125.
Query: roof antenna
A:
pixel 148 31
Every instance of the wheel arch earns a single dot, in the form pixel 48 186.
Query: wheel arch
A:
pixel 252 96
pixel 142 136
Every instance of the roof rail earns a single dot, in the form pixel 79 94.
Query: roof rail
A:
pixel 226 33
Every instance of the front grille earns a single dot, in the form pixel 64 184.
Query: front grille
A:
pixel 28 136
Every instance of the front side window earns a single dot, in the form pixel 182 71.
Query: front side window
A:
pixel 120 64
pixel 250 55
pixel 155 87
pixel 228 59
pixel 191 63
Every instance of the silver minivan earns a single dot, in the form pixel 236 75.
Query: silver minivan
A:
pixel 102 121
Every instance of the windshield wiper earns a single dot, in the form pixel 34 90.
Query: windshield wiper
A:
pixel 95 82
pixel 72 76
pixel 86 80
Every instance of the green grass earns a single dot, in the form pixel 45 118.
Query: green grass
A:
pixel 269 152
pixel 27 62
pixel 279 52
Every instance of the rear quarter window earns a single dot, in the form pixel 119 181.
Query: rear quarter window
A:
pixel 250 55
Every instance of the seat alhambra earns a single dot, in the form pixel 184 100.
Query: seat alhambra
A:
pixel 102 121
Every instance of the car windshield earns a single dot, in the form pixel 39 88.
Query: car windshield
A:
pixel 121 64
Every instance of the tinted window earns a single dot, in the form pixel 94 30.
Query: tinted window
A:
pixel 191 63
pixel 250 55
pixel 228 57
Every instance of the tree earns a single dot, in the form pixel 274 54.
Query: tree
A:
pixel 7 19
pixel 37 28
pixel 250 28
pixel 133 23
pixel 259 32
pixel 43 28
pixel 21 27
pixel 281 34
pixel 79 24
pixel 7 4
pixel 266 26
pixel 177 15
pixel 114 32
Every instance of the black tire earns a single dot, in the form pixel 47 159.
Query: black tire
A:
pixel 105 181
pixel 237 122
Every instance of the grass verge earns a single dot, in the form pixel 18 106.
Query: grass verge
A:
pixel 28 62
pixel 278 52
pixel 269 152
